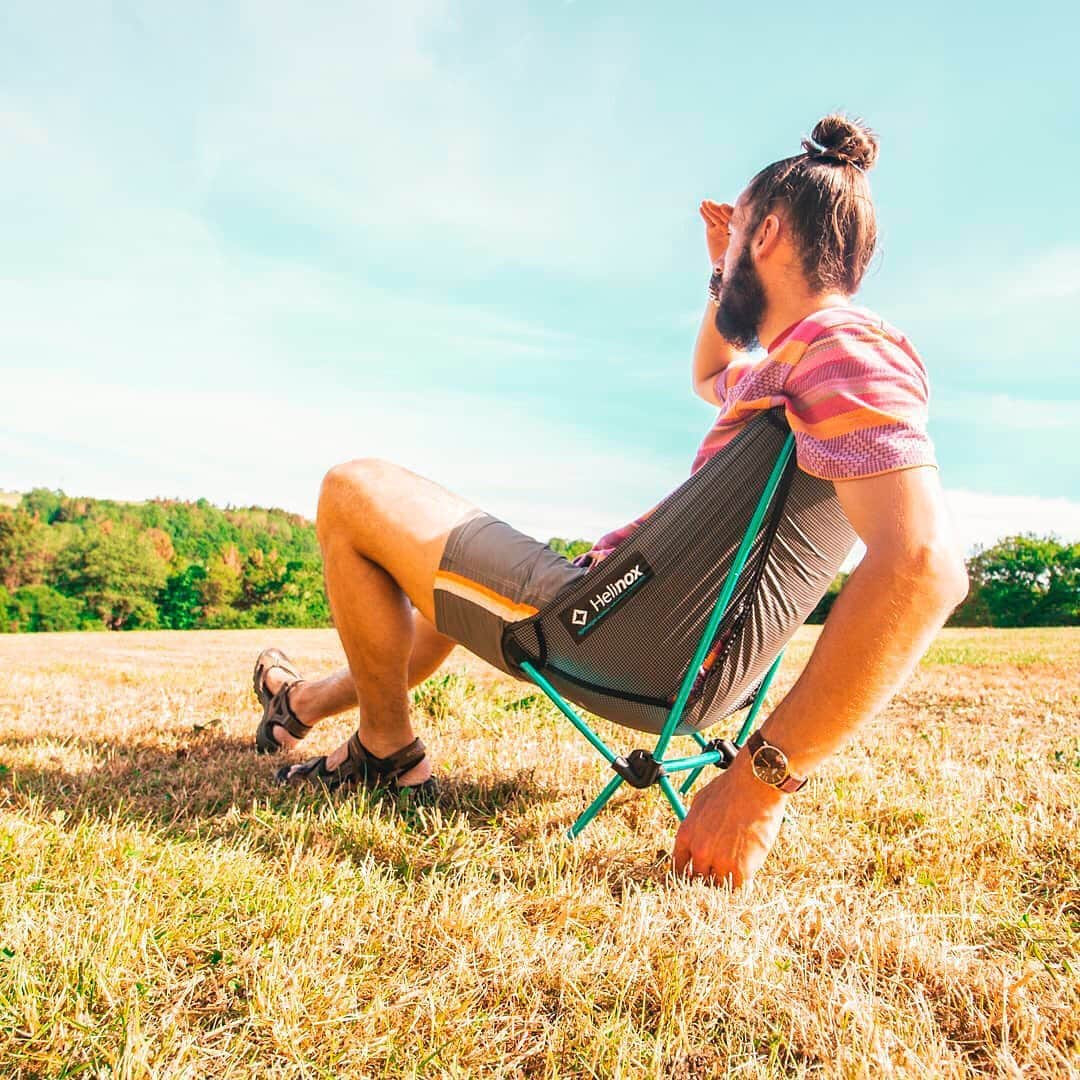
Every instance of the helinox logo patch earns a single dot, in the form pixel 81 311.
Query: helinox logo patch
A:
pixel 609 588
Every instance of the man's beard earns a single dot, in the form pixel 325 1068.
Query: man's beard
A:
pixel 742 304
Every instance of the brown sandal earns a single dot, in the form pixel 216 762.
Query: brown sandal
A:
pixel 276 708
pixel 363 769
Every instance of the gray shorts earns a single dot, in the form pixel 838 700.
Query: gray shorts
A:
pixel 491 575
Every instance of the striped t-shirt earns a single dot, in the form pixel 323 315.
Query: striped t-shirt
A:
pixel 853 389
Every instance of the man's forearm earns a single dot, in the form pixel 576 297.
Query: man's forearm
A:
pixel 712 354
pixel 880 625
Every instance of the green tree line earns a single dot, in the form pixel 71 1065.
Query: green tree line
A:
pixel 92 564
pixel 1023 580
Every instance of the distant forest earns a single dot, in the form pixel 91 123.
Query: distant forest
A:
pixel 92 564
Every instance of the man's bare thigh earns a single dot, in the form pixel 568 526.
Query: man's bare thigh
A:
pixel 394 517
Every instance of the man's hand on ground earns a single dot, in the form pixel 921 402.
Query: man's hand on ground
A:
pixel 731 827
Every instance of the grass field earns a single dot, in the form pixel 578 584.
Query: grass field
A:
pixel 166 911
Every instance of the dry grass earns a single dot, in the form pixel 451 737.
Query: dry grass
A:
pixel 166 911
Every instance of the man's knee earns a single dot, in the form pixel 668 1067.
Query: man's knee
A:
pixel 348 489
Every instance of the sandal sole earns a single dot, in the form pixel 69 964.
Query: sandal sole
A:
pixel 424 793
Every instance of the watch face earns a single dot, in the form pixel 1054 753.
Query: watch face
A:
pixel 770 764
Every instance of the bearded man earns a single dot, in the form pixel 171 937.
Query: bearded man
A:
pixel 412 569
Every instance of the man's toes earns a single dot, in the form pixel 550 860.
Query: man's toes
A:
pixel 274 679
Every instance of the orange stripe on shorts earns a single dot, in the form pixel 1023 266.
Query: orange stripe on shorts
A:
pixel 473 591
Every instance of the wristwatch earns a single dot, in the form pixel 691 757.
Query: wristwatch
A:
pixel 770 765
pixel 716 282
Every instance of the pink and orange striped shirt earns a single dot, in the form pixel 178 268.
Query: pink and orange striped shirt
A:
pixel 854 392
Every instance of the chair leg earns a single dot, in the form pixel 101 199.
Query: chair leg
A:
pixel 692 776
pixel 594 807
pixel 747 726
pixel 641 768
pixel 665 783
pixel 556 698
pixel 598 744
pixel 668 789
pixel 691 779
pixel 759 700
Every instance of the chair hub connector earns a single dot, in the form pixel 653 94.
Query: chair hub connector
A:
pixel 725 748
pixel 640 769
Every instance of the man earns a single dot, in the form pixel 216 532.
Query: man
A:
pixel 412 569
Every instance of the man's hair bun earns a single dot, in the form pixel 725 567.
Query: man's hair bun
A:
pixel 843 141
pixel 823 195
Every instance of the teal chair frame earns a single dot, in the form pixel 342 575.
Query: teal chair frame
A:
pixel 644 768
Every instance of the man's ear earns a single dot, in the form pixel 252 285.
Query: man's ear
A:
pixel 767 236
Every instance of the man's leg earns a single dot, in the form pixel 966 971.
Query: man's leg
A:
pixel 382 530
pixel 315 699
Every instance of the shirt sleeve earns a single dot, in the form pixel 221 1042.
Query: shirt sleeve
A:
pixel 731 374
pixel 858 401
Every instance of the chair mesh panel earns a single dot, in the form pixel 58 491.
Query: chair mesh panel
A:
pixel 629 667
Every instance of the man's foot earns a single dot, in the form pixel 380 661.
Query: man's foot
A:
pixel 355 765
pixel 278 686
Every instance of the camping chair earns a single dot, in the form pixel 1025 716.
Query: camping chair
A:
pixel 686 621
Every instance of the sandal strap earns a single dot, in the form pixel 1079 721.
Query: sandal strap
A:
pixel 312 769
pixel 372 770
pixel 267 659
pixel 272 658
pixel 281 712
pixel 360 768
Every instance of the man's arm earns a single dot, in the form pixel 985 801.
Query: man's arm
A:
pixel 895 601
pixel 712 354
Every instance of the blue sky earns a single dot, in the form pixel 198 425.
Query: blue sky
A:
pixel 246 241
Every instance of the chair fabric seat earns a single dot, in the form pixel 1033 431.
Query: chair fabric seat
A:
pixel 619 641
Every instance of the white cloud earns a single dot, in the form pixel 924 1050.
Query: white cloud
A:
pixel 1051 275
pixel 400 127
pixel 994 307
pixel 93 437
pixel 1003 413
pixel 366 121
pixel 250 447
pixel 983 518
pixel 224 317
pixel 18 130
